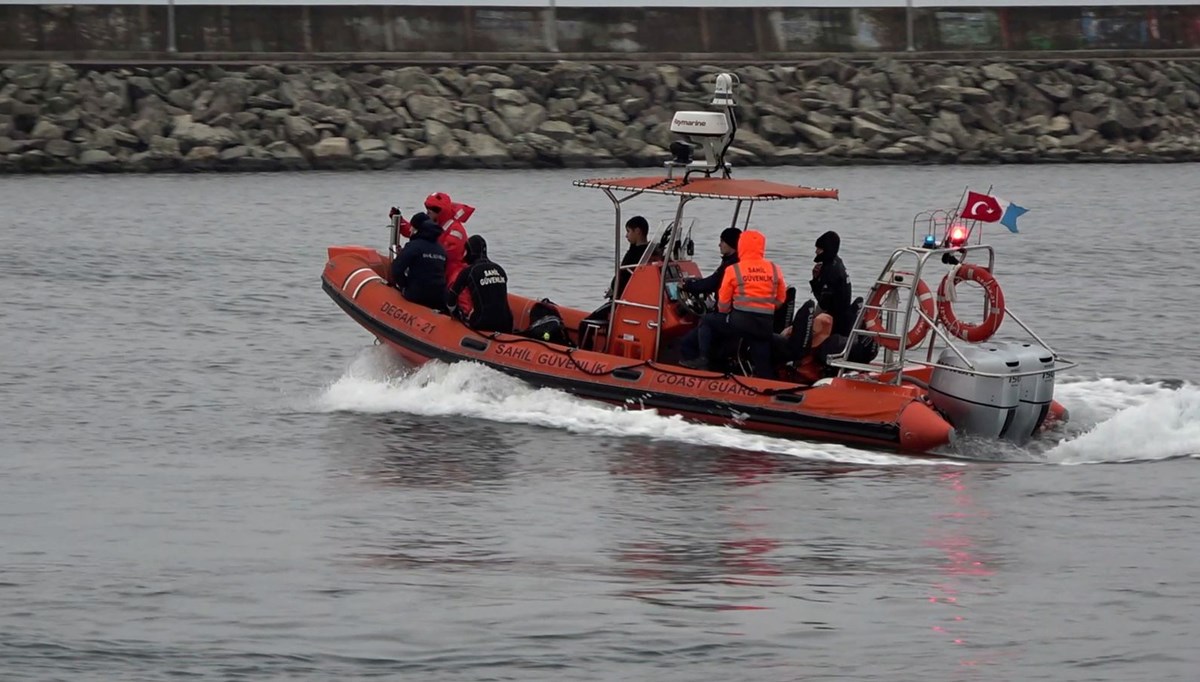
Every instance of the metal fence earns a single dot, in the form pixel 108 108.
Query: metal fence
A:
pixel 622 27
pixel 618 4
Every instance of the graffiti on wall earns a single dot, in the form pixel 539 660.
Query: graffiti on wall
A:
pixel 1114 29
pixel 506 29
pixel 967 30
pixel 869 32
pixel 1177 27
pixel 799 30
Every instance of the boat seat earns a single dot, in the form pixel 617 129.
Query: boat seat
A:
pixel 785 310
pixel 591 331
pixel 781 353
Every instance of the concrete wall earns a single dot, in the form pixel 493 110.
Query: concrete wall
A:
pixel 33 31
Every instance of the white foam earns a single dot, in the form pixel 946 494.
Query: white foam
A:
pixel 1093 401
pixel 1111 420
pixel 1120 421
pixel 374 383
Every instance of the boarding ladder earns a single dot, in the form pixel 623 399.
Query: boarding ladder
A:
pixel 898 314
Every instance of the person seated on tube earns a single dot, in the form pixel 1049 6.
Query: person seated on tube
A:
pixel 829 275
pixel 450 216
pixel 479 296
pixel 811 338
pixel 419 271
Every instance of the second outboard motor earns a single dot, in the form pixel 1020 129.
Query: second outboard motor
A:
pixel 978 405
pixel 1037 389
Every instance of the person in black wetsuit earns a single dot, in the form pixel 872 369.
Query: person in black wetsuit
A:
pixel 479 296
pixel 829 276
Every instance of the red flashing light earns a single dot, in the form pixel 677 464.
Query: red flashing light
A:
pixel 958 235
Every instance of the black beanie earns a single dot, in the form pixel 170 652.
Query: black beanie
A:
pixel 730 236
pixel 829 243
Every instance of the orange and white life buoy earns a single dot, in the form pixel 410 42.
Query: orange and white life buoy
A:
pixel 873 318
pixel 993 308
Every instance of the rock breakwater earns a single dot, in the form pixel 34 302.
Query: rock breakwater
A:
pixel 56 118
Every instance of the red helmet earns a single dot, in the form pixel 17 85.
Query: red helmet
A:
pixel 439 206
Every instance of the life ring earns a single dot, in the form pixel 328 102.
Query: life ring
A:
pixel 993 310
pixel 873 319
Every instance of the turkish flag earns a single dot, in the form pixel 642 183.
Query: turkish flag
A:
pixel 982 207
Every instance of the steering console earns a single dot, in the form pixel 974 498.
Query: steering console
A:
pixel 696 304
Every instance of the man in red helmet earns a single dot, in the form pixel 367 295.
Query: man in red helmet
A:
pixel 450 216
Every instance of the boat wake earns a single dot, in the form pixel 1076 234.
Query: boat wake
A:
pixel 1112 420
pixel 1119 421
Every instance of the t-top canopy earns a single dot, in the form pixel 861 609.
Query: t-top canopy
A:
pixel 711 188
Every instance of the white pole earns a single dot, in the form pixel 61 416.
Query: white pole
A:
pixel 171 27
pixel 908 20
pixel 551 28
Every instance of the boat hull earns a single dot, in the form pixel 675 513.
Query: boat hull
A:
pixel 843 410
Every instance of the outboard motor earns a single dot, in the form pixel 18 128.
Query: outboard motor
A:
pixel 975 404
pixel 1037 387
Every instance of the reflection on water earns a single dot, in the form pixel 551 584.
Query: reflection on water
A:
pixel 706 550
pixel 714 544
pixel 660 467
pixel 965 569
pixel 403 450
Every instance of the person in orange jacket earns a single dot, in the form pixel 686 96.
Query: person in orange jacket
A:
pixel 451 218
pixel 750 291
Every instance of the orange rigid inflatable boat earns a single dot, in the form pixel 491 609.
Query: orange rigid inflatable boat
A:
pixel 844 410
pixel 630 355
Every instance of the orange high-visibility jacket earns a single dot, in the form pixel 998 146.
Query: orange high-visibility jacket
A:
pixel 754 284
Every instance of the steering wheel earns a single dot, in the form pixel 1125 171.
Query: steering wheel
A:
pixel 696 304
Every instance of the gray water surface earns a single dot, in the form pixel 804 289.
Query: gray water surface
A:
pixel 210 472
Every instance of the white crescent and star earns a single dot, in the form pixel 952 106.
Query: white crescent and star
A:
pixel 987 207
